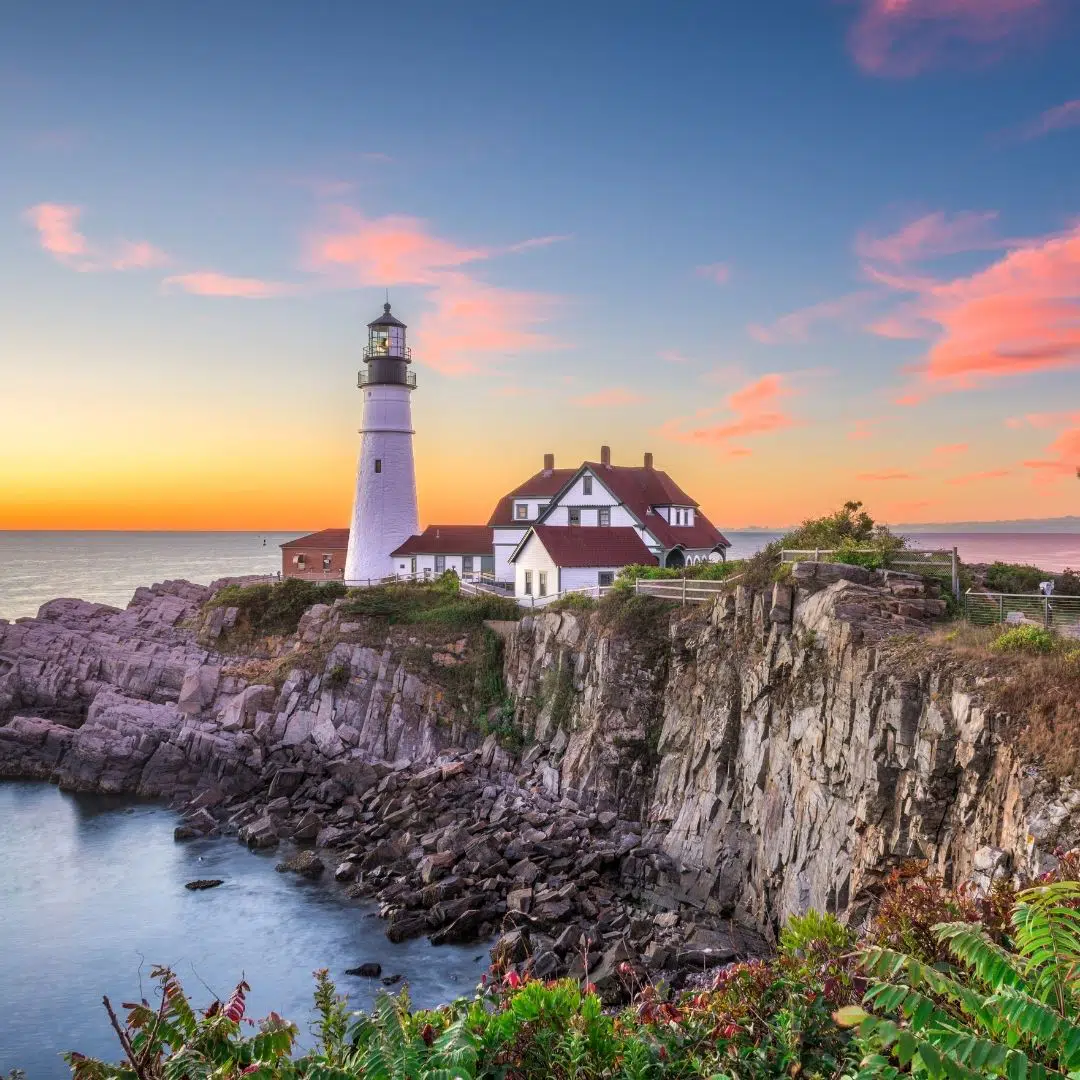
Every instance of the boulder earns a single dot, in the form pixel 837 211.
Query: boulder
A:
pixel 305 863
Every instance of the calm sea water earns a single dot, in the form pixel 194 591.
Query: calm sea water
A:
pixel 107 567
pixel 92 891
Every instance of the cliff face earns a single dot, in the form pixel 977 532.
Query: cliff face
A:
pixel 786 749
pixel 778 750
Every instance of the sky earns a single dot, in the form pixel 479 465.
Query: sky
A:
pixel 802 251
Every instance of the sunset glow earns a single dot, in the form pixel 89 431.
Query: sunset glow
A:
pixel 827 257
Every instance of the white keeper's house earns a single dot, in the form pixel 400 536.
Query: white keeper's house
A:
pixel 561 529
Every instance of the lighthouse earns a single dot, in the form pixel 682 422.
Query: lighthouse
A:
pixel 384 509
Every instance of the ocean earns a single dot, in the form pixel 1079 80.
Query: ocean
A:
pixel 107 567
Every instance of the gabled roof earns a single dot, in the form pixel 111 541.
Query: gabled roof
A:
pixel 329 539
pixel 449 540
pixel 588 545
pixel 640 489
pixel 545 483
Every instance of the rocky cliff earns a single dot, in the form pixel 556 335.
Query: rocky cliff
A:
pixel 780 749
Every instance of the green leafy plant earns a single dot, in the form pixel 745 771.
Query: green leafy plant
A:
pixel 992 1008
pixel 337 678
pixel 276 608
pixel 1028 639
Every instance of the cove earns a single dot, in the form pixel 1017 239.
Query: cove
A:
pixel 92 891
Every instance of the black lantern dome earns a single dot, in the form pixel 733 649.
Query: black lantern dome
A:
pixel 386 355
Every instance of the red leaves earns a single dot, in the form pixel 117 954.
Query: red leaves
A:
pixel 512 980
pixel 428 1034
pixel 234 1007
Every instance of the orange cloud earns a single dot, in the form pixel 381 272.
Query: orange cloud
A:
pixel 902 38
pixel 884 476
pixel 1044 420
pixel 795 327
pixel 58 233
pixel 508 391
pixel 718 272
pixel 756 408
pixel 974 478
pixel 1018 316
pixel 615 395
pixel 1058 118
pixel 931 236
pixel 863 429
pixel 211 283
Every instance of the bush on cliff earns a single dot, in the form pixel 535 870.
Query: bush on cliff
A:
pixel 276 608
pixel 438 602
pixel 1018 578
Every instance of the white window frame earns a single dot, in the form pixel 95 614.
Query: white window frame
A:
pixel 440 564
pixel 528 583
pixel 328 562
pixel 571 511
pixel 601 575
pixel 466 564
pixel 603 517
pixel 521 511
pixel 541 584
pixel 586 485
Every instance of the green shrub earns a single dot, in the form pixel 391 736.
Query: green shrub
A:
pixel 437 603
pixel 276 608
pixel 1022 578
pixel 1028 639
pixel 337 678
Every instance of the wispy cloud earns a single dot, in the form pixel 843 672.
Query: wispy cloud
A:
pixel 613 396
pixel 211 283
pixel 1060 117
pixel 863 429
pixel 795 327
pixel 756 408
pixel 902 38
pixel 472 323
pixel 673 356
pixel 58 231
pixel 538 242
pixel 949 450
pixel 979 477
pixel 932 236
pixel 1064 451
pixel 883 477
pixel 508 391
pixel 718 272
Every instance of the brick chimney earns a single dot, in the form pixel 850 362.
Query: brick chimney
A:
pixel 605 456
pixel 549 463
pixel 648 461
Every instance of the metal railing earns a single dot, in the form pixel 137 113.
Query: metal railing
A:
pixel 941 563
pixel 987 609
pixel 374 352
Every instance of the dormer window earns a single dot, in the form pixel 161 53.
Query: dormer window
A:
pixel 521 511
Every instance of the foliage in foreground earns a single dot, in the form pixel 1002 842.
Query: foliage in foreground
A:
pixel 1020 578
pixel 759 1020
pixel 276 607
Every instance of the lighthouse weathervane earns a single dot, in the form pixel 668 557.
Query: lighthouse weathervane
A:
pixel 384 510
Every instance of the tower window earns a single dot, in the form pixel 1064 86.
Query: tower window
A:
pixel 586 485
pixel 378 464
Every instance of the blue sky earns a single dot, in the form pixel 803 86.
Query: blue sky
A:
pixel 677 178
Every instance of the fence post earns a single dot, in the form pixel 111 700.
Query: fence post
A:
pixel 955 575
pixel 1001 607
pixel 637 591
pixel 1049 614
pixel 684 592
pixel 816 555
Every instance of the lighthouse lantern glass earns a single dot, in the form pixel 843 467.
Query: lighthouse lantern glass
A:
pixel 397 341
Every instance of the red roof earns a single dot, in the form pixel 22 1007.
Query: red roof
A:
pixel 328 539
pixel 639 489
pixel 449 540
pixel 589 545
pixel 545 483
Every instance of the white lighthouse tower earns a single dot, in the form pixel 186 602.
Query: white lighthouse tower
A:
pixel 384 510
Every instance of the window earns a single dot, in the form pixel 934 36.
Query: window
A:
pixel 378 464
pixel 327 561
pixel 440 564
pixel 466 564
pixel 605 578
pixel 603 517
pixel 586 485
pixel 412 566
pixel 541 507
pixel 528 583
pixel 521 511
pixel 298 560
pixel 573 515
pixel 543 583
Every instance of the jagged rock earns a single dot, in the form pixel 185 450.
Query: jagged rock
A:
pixel 345 871
pixel 432 867
pixel 305 863
pixel 260 833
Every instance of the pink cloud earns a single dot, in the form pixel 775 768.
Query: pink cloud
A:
pixel 739 452
pixel 884 476
pixel 615 395
pixel 757 411
pixel 931 236
pixel 1060 117
pixel 950 450
pixel 902 38
pixel 1044 420
pixel 1066 456
pixel 211 283
pixel 59 235
pixel 718 272
pixel 673 356
pixel 472 323
pixel 508 391
pixel 1018 316
pixel 978 477
pixel 863 429
pixel 538 242
pixel 795 327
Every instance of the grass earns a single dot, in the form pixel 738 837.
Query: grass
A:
pixel 275 608
pixel 436 604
